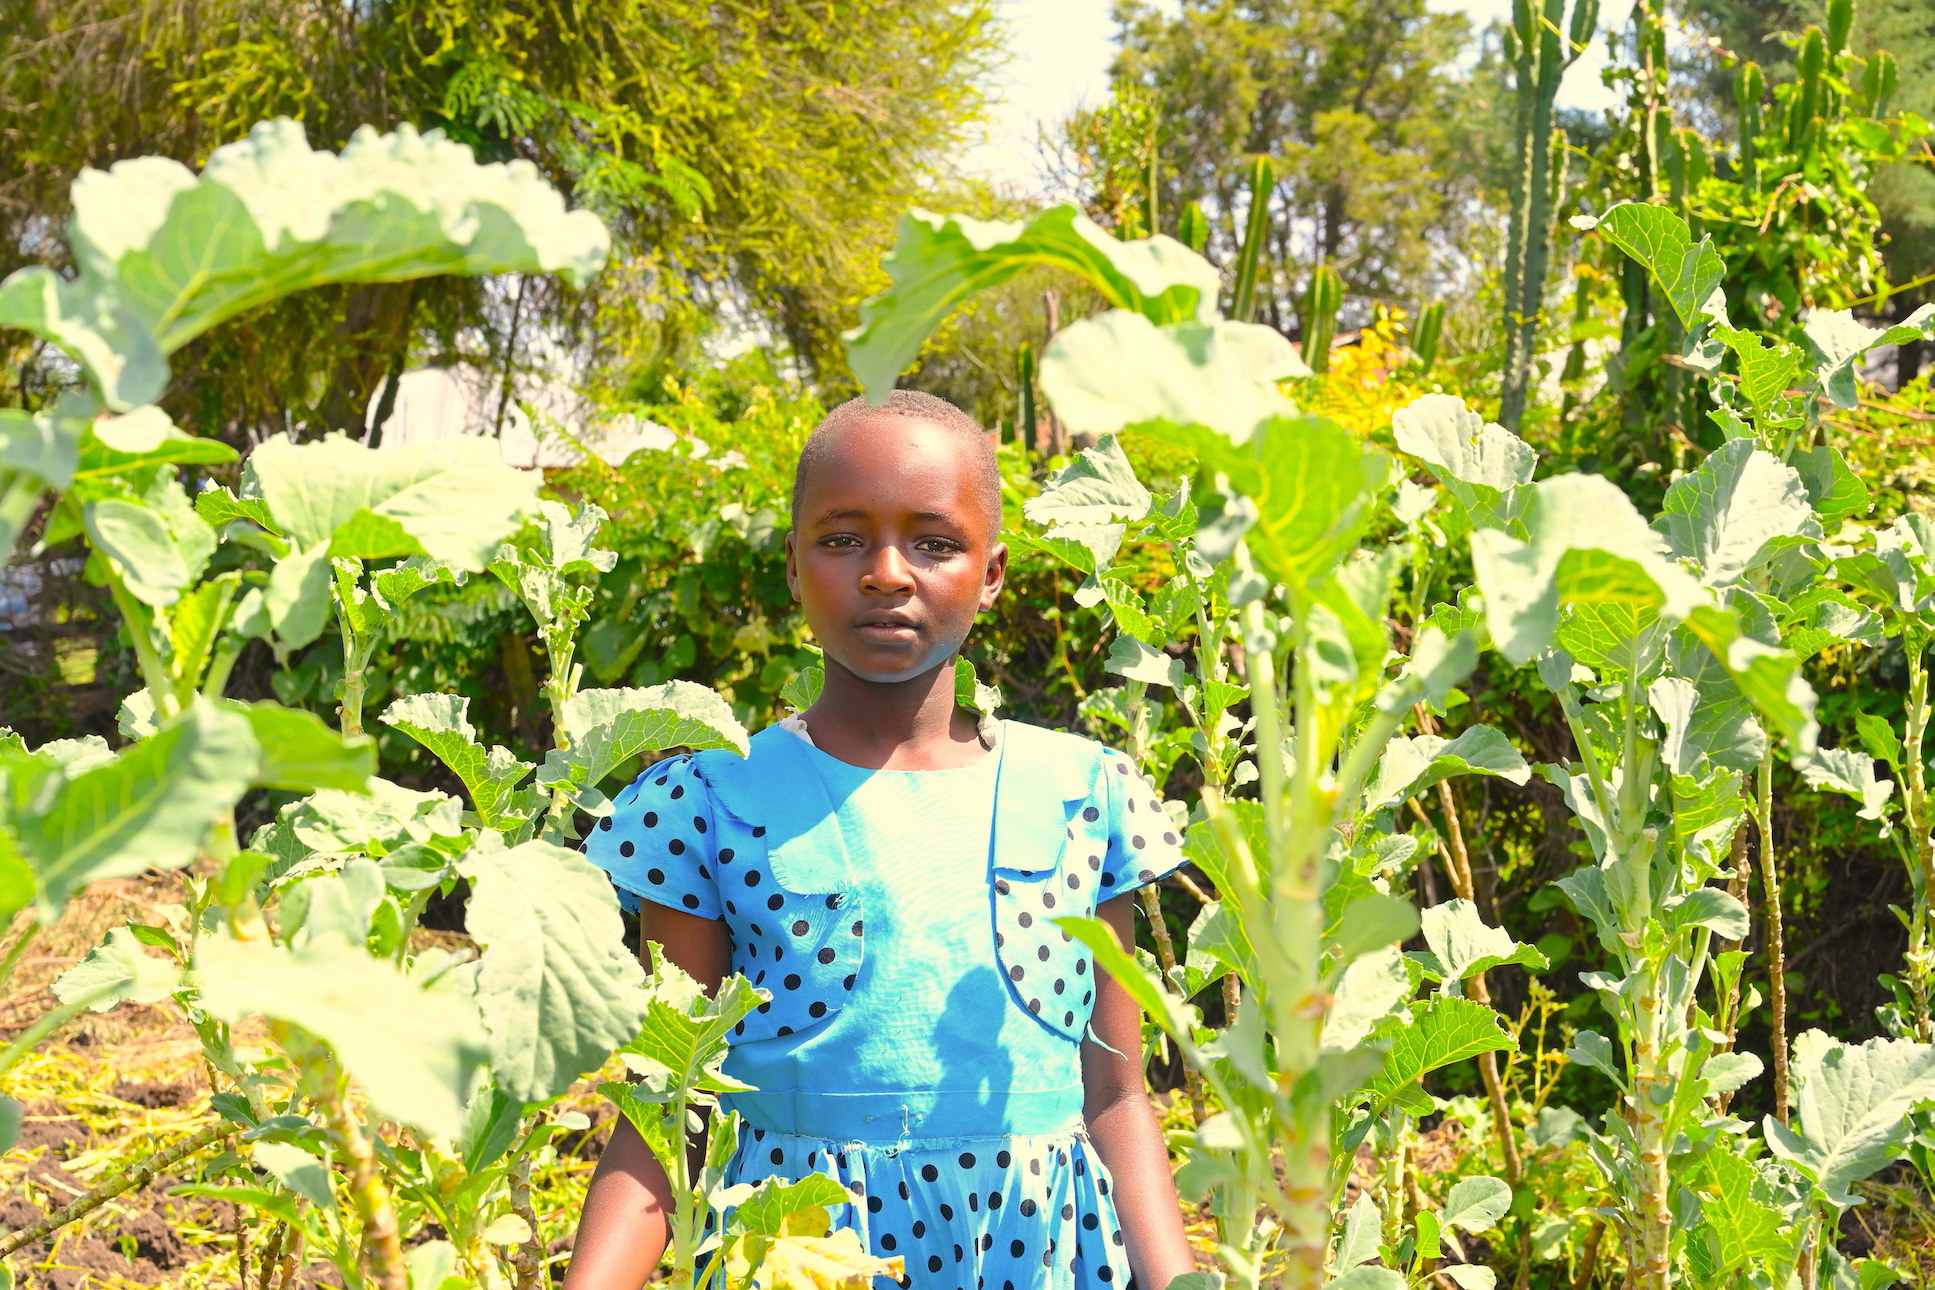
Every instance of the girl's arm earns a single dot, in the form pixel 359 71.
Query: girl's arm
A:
pixel 1123 1126
pixel 623 1230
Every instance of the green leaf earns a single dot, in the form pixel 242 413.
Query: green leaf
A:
pixel 1734 1206
pixel 1765 370
pixel 414 1050
pixel 1840 342
pixel 137 538
pixel 1851 773
pixel 1705 728
pixel 1099 938
pixel 45 445
pixel 453 500
pixel 684 1034
pixel 147 808
pixel 1367 995
pixel 939 261
pixel 1102 374
pixel 1411 765
pixel 297 596
pixel 302 753
pixel 1688 272
pixel 1712 908
pixel 1098 487
pixel 1371 922
pixel 1586 545
pixel 142 438
pixel 1365 1277
pixel 1729 515
pixel 1463 945
pixel 1479 462
pixel 1314 484
pixel 297 1170
pixel 1476 1204
pixel 606 728
pixel 1443 1030
pixel 441 723
pixel 9 1132
pixel 1879 738
pixel 558 990
pixel 1853 1109
pixel 221 508
pixel 1129 657
pixel 774 1203
pixel 116 971
pixel 164 255
pixel 398 583
pixel 1769 677
pixel 1836 491
pixel 1363 1230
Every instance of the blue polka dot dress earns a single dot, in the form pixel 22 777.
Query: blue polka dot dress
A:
pixel 921 1039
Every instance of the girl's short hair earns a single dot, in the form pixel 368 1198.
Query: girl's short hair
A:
pixel 916 406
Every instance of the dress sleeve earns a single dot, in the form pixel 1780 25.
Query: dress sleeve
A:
pixel 1144 843
pixel 659 843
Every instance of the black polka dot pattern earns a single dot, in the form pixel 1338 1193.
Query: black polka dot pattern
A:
pixel 792 936
pixel 1028 1212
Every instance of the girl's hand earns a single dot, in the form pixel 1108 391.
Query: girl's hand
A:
pixel 626 1222
pixel 1123 1127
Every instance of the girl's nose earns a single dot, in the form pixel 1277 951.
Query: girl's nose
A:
pixel 888 573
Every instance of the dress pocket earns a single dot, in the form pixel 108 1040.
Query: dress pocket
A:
pixel 1049 972
pixel 796 935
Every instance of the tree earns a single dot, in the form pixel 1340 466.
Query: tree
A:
pixel 750 160
pixel 1359 107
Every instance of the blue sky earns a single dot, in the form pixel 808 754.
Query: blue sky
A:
pixel 1060 57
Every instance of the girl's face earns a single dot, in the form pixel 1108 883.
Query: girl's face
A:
pixel 893 552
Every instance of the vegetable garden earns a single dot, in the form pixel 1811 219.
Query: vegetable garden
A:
pixel 1314 632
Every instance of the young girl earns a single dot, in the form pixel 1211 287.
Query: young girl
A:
pixel 888 869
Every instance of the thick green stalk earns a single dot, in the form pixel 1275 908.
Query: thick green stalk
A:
pixel 1776 948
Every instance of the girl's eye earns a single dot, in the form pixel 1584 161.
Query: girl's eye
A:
pixel 939 546
pixel 840 539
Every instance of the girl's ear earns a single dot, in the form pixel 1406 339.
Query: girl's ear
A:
pixel 996 576
pixel 792 566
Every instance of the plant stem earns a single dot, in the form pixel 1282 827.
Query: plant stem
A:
pixel 529 1258
pixel 382 1243
pixel 139 1175
pixel 1915 820
pixel 1776 950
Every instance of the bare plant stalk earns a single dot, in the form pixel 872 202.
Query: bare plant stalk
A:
pixel 272 1256
pixel 529 1259
pixel 1921 963
pixel 1776 950
pixel 241 1245
pixel 1458 866
pixel 140 1175
pixel 1151 901
pixel 382 1243
pixel 1589 1257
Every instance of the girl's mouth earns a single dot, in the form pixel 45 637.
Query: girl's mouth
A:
pixel 887 630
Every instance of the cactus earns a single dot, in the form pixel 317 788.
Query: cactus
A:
pixel 1749 87
pixel 1321 302
pixel 1192 229
pixel 1878 82
pixel 1025 432
pixel 1805 108
pixel 1540 45
pixel 1428 335
pixel 1263 178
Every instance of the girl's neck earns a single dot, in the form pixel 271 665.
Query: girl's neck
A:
pixel 899 725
